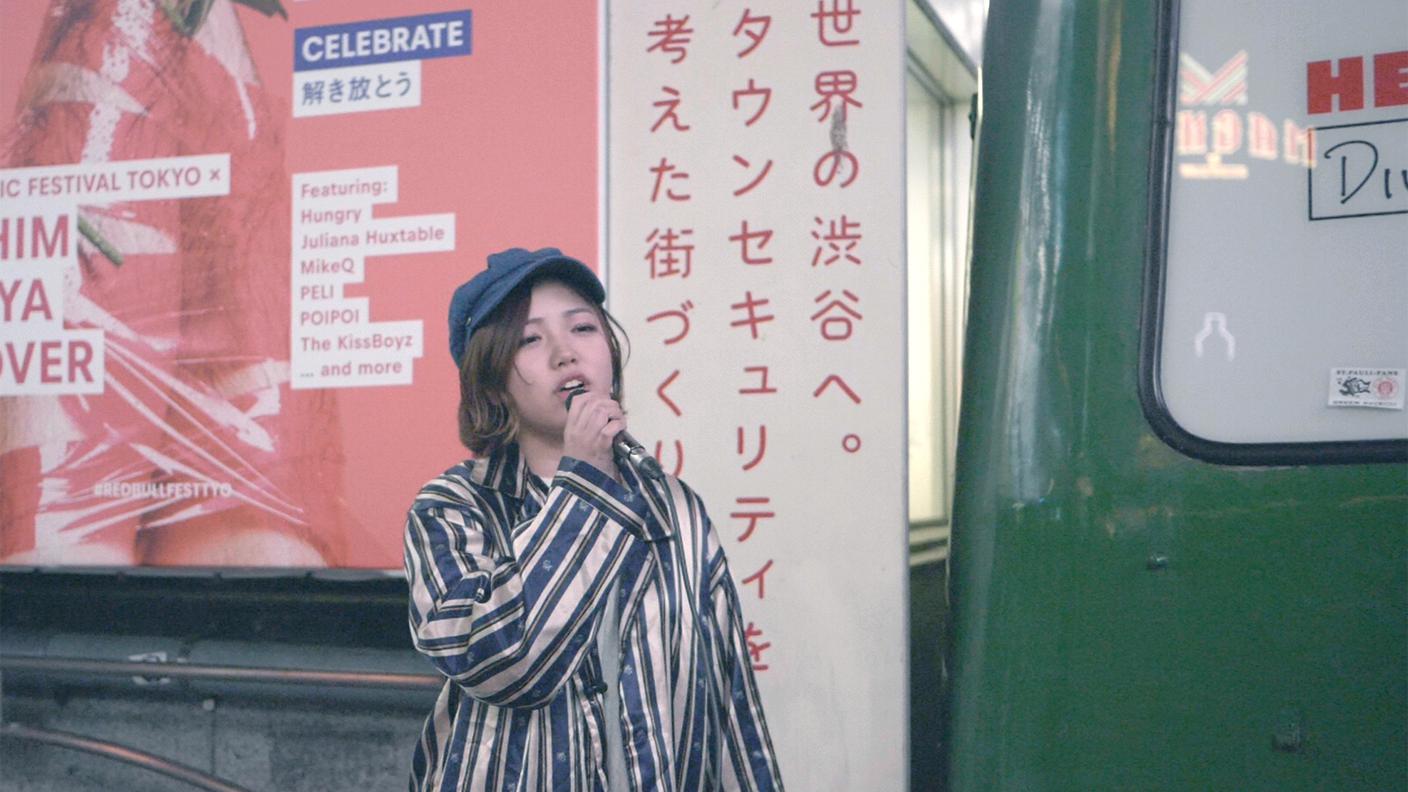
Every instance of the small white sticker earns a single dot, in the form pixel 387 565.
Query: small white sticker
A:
pixel 1366 387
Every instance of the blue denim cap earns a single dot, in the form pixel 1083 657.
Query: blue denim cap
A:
pixel 477 298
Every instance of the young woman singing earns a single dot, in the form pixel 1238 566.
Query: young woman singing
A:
pixel 583 614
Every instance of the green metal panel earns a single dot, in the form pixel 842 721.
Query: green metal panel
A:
pixel 1127 617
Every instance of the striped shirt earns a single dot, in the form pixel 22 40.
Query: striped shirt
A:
pixel 509 579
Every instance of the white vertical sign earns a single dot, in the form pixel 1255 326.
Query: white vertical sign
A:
pixel 756 257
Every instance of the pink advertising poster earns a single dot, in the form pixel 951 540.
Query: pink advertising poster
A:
pixel 228 236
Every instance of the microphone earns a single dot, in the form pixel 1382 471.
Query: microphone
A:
pixel 628 450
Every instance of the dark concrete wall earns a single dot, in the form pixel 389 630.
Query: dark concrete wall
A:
pixel 264 738
pixel 261 745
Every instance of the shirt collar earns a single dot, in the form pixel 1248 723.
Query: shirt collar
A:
pixel 505 470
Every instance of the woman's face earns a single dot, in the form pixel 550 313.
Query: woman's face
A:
pixel 563 346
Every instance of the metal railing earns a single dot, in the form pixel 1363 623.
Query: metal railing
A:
pixel 223 673
pixel 152 671
pixel 120 753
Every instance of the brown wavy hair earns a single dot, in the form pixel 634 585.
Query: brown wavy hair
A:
pixel 487 419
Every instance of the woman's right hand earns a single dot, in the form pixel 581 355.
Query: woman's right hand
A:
pixel 593 421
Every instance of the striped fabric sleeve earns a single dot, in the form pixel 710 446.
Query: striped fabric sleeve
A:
pixel 511 625
pixel 749 762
